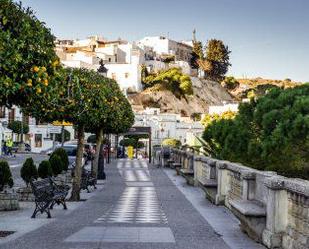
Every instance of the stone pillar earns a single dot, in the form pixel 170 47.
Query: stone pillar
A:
pixel 277 212
pixel 223 182
pixel 248 188
pixel 197 163
pixel 212 168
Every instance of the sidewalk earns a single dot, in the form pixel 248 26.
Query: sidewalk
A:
pixel 140 206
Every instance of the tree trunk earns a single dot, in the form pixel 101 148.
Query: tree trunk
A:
pixel 99 139
pixel 75 196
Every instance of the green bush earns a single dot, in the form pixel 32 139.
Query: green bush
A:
pixel 5 175
pixel 28 171
pixel 45 169
pixel 269 133
pixel 63 156
pixel 171 79
pixel 56 164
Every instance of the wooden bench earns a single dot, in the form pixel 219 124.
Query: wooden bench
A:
pixel 47 194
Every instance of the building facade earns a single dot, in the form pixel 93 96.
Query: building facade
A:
pixel 167 125
pixel 124 60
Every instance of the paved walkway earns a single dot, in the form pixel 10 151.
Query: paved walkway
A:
pixel 139 207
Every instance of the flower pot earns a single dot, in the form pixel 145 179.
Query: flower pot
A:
pixel 25 194
pixel 8 201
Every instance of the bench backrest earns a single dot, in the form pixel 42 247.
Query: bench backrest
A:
pixel 41 188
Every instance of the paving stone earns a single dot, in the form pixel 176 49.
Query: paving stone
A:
pixel 128 213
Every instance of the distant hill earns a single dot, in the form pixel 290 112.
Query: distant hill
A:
pixel 259 86
pixel 205 93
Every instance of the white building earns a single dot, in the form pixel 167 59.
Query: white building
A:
pixel 161 46
pixel 38 137
pixel 219 109
pixel 165 125
pixel 122 59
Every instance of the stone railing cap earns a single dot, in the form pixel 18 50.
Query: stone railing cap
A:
pixel 222 164
pixel 198 158
pixel 298 186
pixel 248 175
pixel 274 182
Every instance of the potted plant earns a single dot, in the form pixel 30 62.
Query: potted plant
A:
pixel 8 199
pixel 57 168
pixel 63 156
pixel 45 169
pixel 27 172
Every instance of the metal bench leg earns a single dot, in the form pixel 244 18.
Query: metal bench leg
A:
pixel 64 204
pixel 36 210
pixel 48 213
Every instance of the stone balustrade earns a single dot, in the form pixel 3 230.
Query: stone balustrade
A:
pixel 272 209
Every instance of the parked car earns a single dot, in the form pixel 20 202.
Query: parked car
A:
pixel 16 147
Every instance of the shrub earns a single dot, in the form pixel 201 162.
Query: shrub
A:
pixel 28 171
pixel 171 79
pixel 172 142
pixel 230 83
pixel 45 169
pixel 56 164
pixel 5 175
pixel 269 133
pixel 63 156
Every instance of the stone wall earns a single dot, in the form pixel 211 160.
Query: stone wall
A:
pixel 8 201
pixel 272 209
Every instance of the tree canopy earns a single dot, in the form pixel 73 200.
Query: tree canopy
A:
pixel 218 56
pixel 27 56
pixel 270 132
pixel 18 127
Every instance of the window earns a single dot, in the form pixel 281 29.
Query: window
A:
pixel 11 115
pixel 38 140
pixel 157 134
pixel 109 59
pixel 2 112
pixel 126 75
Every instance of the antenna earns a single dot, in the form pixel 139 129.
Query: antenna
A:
pixel 194 35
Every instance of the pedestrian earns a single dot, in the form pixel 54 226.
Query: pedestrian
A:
pixel 4 148
pixel 9 145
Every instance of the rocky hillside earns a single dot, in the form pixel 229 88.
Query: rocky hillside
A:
pixel 259 86
pixel 205 93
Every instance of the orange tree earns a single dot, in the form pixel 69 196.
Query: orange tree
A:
pixel 118 118
pixel 27 56
pixel 81 97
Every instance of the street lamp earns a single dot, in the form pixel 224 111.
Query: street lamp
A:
pixel 102 70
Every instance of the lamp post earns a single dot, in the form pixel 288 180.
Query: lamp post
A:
pixel 102 70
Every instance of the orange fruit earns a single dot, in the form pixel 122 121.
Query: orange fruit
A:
pixel 35 69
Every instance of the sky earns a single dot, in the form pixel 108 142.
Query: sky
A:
pixel 268 38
